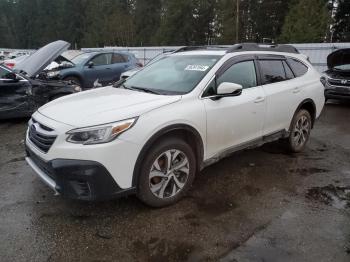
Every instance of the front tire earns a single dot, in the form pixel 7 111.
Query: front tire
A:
pixel 167 172
pixel 300 131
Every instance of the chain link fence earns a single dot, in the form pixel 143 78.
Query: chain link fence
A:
pixel 317 52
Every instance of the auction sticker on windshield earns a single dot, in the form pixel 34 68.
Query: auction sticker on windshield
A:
pixel 196 68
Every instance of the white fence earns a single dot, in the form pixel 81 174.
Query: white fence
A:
pixel 316 52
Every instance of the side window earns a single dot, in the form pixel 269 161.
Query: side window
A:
pixel 289 73
pixel 272 71
pixel 298 68
pixel 242 73
pixel 118 58
pixel 103 59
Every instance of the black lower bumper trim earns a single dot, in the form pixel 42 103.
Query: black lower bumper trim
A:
pixel 80 179
pixel 337 94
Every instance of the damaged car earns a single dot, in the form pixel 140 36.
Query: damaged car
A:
pixel 337 78
pixel 27 87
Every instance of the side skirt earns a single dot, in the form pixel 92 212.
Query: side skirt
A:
pixel 244 146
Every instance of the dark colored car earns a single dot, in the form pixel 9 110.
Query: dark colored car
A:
pixel 337 77
pixel 27 87
pixel 92 67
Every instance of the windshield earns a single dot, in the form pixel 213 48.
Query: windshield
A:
pixel 173 74
pixel 80 58
pixel 342 67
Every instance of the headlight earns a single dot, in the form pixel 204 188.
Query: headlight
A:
pixel 53 74
pixel 323 80
pixel 99 134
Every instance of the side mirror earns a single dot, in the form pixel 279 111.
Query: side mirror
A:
pixel 229 89
pixel 11 76
pixel 91 64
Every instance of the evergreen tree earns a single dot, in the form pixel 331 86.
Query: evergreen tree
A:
pixel 306 21
pixel 342 22
pixel 177 23
pixel 147 20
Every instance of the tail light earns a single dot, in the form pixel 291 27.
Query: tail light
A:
pixel 10 65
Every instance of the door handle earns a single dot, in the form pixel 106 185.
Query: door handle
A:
pixel 259 99
pixel 296 90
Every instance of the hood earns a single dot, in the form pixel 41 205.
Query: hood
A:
pixel 103 105
pixel 338 58
pixel 38 61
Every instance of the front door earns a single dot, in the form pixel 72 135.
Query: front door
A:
pixel 100 69
pixel 234 120
pixel 14 96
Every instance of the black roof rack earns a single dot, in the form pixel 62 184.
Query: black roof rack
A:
pixel 204 47
pixel 256 47
pixel 241 48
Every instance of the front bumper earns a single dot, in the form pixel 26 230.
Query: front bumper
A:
pixel 77 179
pixel 338 93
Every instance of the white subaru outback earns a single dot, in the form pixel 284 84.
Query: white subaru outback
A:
pixel 152 133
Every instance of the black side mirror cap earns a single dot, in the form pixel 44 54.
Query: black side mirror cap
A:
pixel 91 64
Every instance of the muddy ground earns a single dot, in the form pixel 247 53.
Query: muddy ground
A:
pixel 257 205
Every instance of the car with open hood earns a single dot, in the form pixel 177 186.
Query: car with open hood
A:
pixel 26 87
pixel 337 78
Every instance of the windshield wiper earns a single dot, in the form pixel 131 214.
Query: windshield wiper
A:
pixel 146 90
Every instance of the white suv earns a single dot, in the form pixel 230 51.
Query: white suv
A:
pixel 152 133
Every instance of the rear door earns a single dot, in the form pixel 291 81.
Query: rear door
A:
pixel 283 92
pixel 120 63
pixel 15 96
pixel 233 121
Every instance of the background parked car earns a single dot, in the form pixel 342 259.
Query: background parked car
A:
pixel 337 78
pixel 106 67
pixel 133 71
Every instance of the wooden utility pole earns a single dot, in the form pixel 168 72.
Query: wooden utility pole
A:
pixel 237 21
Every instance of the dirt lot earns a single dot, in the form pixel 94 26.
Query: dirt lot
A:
pixel 257 205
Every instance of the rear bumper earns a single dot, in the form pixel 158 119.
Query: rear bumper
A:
pixel 77 179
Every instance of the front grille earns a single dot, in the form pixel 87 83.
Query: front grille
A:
pixel 41 136
pixel 44 166
pixel 339 82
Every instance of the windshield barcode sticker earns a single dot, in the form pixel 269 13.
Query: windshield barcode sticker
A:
pixel 196 68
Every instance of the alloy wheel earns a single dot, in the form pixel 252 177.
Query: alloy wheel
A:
pixel 301 131
pixel 169 173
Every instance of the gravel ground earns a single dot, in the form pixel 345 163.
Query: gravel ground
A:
pixel 257 205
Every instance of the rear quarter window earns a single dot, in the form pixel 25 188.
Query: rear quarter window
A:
pixel 298 67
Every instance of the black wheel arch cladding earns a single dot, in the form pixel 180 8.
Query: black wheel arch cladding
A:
pixel 309 105
pixel 176 130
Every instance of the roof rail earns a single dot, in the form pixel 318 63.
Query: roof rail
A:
pixel 204 47
pixel 256 47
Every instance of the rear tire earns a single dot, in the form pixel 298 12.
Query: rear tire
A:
pixel 166 173
pixel 299 131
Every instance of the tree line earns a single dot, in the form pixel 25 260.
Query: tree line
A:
pixel 96 23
